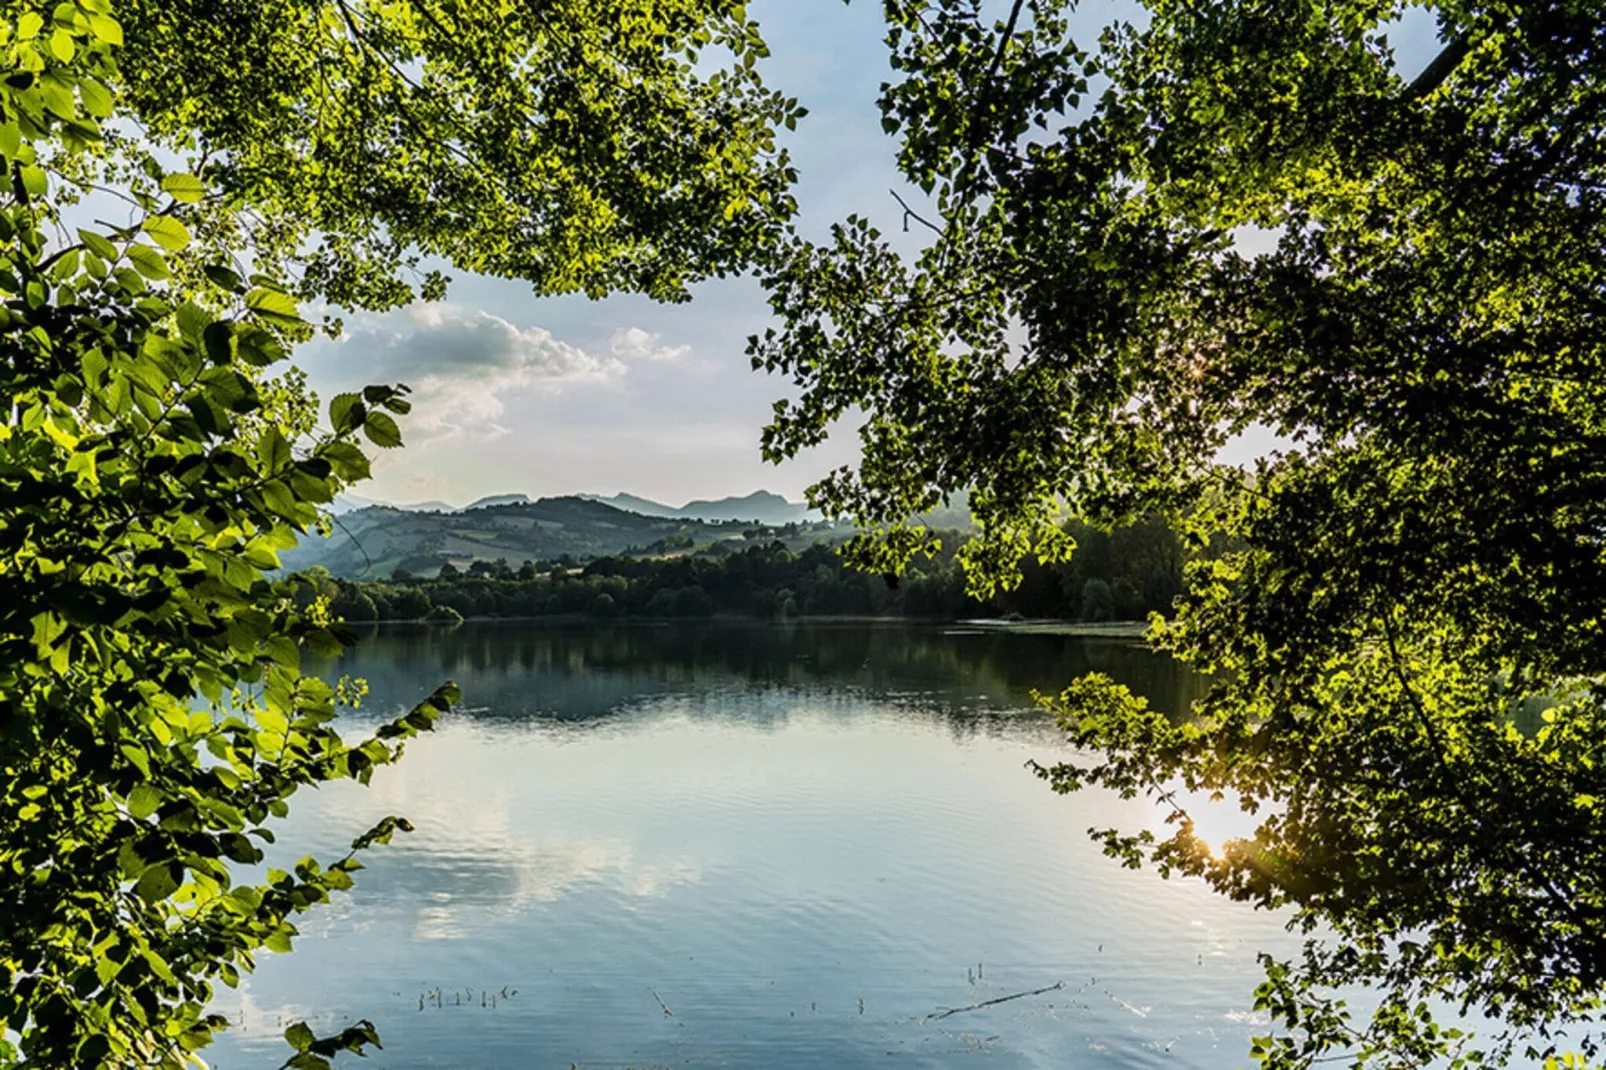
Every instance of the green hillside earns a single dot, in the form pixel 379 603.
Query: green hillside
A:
pixel 374 541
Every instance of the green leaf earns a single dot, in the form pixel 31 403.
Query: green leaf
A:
pixel 283 650
pixel 168 232
pixel 158 882
pixel 35 181
pixel 148 262
pixel 97 244
pixel 97 99
pixel 348 462
pixel 274 306
pixel 347 413
pixel 106 28
pixel 62 47
pixel 299 1036
pixel 143 801
pixel 382 430
pixel 184 188
pixel 273 451
pixel 224 277
pixel 323 644
pixel 283 501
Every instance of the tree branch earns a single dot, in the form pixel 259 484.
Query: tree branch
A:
pixel 1443 65
pixel 910 213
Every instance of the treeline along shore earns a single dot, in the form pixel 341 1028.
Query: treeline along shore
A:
pixel 1113 576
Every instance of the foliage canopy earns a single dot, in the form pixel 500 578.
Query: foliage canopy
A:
pixel 1247 213
pixel 352 146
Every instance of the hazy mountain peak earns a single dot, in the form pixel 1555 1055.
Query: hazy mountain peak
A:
pixel 761 506
pixel 497 499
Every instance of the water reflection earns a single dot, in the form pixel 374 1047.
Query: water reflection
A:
pixel 584 673
pixel 749 847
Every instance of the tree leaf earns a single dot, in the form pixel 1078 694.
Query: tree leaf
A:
pixel 382 430
pixel 168 232
pixel 182 187
pixel 97 244
pixel 299 1036
pixel 158 882
pixel 273 305
pixel 148 262
pixel 347 413
pixel 106 29
pixel 144 800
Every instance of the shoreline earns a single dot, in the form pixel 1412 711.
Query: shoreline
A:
pixel 1134 629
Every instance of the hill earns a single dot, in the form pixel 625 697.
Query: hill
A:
pixel 375 540
pixel 372 539
pixel 634 504
pixel 761 506
pixel 347 502
pixel 497 499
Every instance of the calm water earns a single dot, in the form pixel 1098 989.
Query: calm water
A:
pixel 748 846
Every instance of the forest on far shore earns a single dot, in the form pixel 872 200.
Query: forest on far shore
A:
pixel 1113 576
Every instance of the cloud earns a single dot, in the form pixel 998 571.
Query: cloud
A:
pixel 633 343
pixel 462 364
pixel 520 875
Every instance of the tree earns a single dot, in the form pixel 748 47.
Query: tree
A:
pixel 153 720
pixel 692 601
pixel 353 604
pixel 1098 604
pixel 410 603
pixel 628 147
pixel 1262 219
pixel 157 453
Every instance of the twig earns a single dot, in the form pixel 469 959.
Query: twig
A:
pixel 910 213
pixel 667 1012
pixel 1056 986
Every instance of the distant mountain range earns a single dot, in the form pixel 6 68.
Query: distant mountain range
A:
pixel 761 507
pixel 373 538
pixel 346 503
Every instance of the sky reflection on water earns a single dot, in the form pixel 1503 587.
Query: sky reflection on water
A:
pixel 802 842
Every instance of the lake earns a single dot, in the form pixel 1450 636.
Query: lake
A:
pixel 748 845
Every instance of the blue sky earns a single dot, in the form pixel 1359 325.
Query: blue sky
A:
pixel 549 396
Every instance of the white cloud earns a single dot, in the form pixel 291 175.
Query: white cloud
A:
pixel 462 364
pixel 633 343
pixel 545 872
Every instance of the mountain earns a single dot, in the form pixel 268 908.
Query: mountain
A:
pixel 375 540
pixel 371 539
pixel 347 502
pixel 761 506
pixel 497 499
pixel 630 503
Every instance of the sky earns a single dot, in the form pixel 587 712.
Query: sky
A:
pixel 547 396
